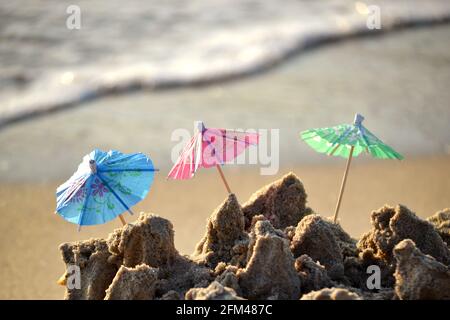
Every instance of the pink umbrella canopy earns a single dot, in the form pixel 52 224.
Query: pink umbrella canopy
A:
pixel 211 147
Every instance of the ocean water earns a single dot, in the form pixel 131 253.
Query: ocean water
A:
pixel 123 46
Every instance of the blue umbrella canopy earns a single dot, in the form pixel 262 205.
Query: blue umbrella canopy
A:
pixel 105 185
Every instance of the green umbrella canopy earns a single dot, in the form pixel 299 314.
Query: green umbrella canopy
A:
pixel 338 141
pixel 348 140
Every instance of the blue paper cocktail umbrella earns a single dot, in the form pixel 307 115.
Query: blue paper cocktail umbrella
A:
pixel 105 185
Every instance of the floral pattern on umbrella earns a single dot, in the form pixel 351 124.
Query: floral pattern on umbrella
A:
pixel 105 185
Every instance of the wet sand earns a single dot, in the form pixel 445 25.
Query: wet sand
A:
pixel 30 233
pixel 399 82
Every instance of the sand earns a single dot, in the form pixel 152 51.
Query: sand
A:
pixel 30 233
pixel 258 260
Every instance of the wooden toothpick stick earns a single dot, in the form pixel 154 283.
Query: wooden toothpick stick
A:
pixel 122 219
pixel 223 178
pixel 344 180
pixel 334 149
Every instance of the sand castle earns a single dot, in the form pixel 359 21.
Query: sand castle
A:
pixel 272 247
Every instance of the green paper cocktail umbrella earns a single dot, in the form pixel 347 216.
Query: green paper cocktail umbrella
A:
pixel 348 140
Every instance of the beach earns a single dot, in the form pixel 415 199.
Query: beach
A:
pixel 31 233
pixel 399 81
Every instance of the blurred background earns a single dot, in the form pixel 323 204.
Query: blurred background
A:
pixel 136 71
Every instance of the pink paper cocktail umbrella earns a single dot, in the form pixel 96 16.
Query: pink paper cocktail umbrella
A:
pixel 211 147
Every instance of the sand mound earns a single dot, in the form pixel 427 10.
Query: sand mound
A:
pixel 392 225
pixel 441 221
pixel 323 241
pixel 96 273
pixel 133 284
pixel 150 240
pixel 225 239
pixel 245 255
pixel 312 274
pixel 150 266
pixel 215 291
pixel 270 272
pixel 331 294
pixel 419 276
pixel 283 202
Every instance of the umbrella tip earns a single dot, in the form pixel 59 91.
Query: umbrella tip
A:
pixel 93 166
pixel 358 119
pixel 200 125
